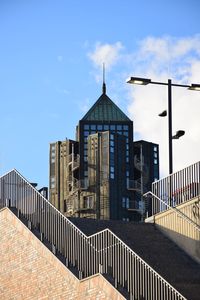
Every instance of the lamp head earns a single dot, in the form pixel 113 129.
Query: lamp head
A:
pixel 194 87
pixel 163 114
pixel 138 80
pixel 178 134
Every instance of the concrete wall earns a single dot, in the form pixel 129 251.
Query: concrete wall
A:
pixel 28 270
pixel 179 230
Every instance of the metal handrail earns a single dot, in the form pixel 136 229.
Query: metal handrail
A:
pixel 176 210
pixel 180 186
pixel 102 252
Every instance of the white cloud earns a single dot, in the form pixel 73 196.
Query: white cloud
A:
pixel 106 53
pixel 160 59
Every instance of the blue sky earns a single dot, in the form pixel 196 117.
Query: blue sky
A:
pixel 51 55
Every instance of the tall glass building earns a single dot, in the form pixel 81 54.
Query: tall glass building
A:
pixel 94 175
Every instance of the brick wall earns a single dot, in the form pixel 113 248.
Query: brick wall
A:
pixel 28 270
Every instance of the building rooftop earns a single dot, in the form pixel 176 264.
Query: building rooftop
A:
pixel 104 109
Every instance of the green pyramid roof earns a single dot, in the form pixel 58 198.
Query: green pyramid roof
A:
pixel 105 109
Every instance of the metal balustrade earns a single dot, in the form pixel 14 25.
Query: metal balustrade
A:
pixel 177 188
pixel 102 252
pixel 174 209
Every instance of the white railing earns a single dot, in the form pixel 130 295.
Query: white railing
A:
pixel 177 188
pixel 102 252
pixel 165 206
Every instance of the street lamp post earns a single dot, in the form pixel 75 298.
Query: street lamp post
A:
pixel 145 81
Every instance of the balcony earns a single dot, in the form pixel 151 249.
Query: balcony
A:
pixel 134 185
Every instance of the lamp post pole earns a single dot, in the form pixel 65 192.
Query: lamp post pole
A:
pixel 179 133
pixel 170 125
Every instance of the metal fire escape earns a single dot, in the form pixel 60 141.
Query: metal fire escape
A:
pixel 75 186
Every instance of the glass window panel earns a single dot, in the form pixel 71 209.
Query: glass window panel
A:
pixel 99 127
pixel 125 127
pixel 112 127
pixel 112 143
pixel 112 176
pixel 127 202
pixel 119 127
pixel 127 159
pixel 155 149
pixel 112 136
pixel 155 154
pixel 112 169
pixel 86 127
pixel 86 133
pixel 155 161
pixel 125 133
pixel 93 127
pixel 111 149
pixel 106 127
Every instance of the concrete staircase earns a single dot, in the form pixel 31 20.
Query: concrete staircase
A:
pixel 157 250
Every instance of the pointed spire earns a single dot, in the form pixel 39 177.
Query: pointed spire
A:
pixel 104 84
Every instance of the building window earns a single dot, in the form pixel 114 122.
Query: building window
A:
pixel 155 161
pixel 155 149
pixel 53 160
pixel 112 136
pixel 86 127
pixel 93 127
pixel 86 133
pixel 52 182
pixel 125 127
pixel 125 219
pixel 125 202
pixel 112 149
pixel 112 143
pixel 127 159
pixel 106 127
pixel 112 127
pixel 112 172
pixel 53 147
pixel 125 133
pixel 155 154
pixel 119 127
pixel 88 202
pixel 99 127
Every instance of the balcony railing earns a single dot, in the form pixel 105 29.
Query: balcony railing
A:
pixel 102 252
pixel 176 188
pixel 133 185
